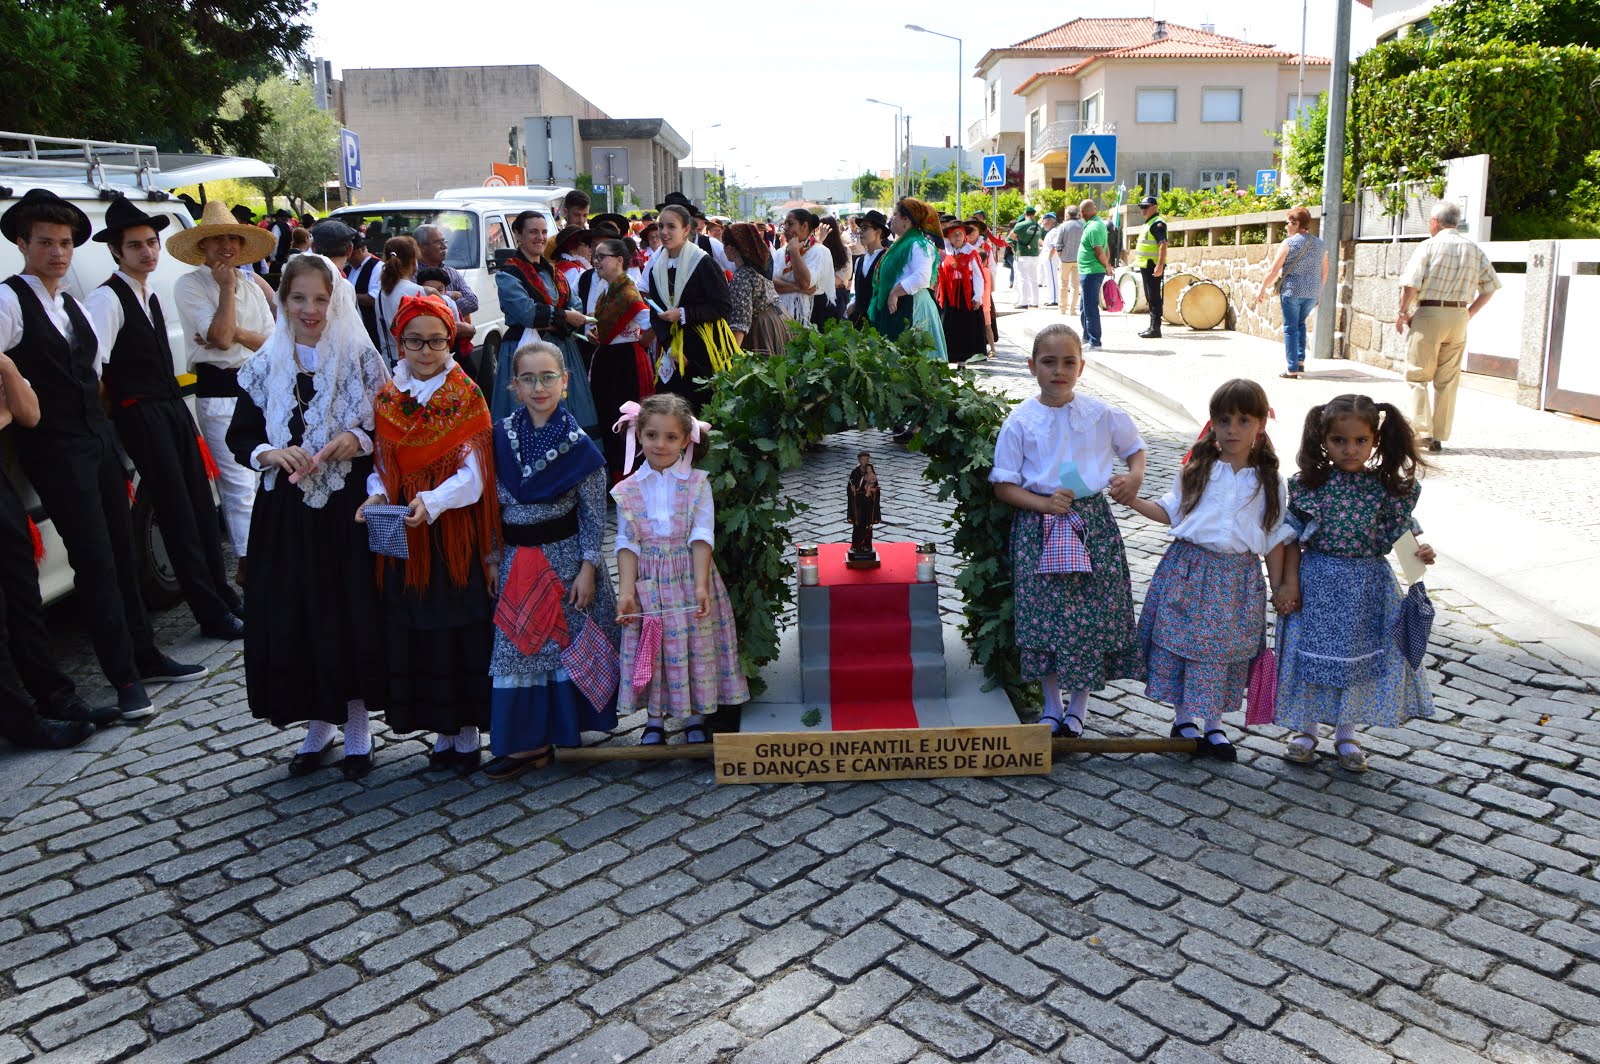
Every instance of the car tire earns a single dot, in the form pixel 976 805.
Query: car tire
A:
pixel 488 356
pixel 158 581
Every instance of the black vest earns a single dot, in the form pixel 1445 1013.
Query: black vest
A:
pixel 865 279
pixel 141 358
pixel 62 374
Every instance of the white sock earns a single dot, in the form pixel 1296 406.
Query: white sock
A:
pixel 1052 697
pixel 1344 734
pixel 357 730
pixel 1078 706
pixel 318 734
pixel 1305 739
pixel 466 740
pixel 1182 719
pixel 654 738
pixel 443 742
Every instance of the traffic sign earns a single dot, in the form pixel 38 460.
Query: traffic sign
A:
pixel 503 175
pixel 1092 159
pixel 1266 182
pixel 601 189
pixel 350 154
pixel 994 171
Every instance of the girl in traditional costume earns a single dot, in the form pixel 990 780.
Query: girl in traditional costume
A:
pixel 433 456
pixel 901 298
pixel 553 668
pixel 621 371
pixel 961 295
pixel 304 420
pixel 537 302
pixel 690 306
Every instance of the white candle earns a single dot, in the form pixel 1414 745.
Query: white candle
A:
pixel 925 571
pixel 809 575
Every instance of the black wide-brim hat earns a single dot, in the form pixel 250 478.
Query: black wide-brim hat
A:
pixel 677 199
pixel 123 215
pixel 11 220
pixel 617 221
pixel 875 219
pixel 572 236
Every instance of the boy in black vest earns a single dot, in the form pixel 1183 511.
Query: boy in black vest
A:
pixel 153 422
pixel 71 455
pixel 873 229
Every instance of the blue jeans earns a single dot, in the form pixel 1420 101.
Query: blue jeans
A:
pixel 1089 310
pixel 1296 309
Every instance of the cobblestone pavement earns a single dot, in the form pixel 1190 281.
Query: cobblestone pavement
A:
pixel 169 895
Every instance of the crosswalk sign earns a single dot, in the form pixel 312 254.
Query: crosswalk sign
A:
pixel 1092 159
pixel 994 171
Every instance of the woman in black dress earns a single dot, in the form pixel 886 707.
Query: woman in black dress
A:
pixel 690 311
pixel 305 422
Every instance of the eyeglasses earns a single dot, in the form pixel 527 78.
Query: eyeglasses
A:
pixel 432 343
pixel 605 255
pixel 549 380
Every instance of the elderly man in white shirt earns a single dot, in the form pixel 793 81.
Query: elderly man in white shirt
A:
pixel 225 320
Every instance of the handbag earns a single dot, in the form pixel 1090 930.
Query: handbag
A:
pixel 1415 624
pixel 1261 698
pixel 386 530
pixel 1277 283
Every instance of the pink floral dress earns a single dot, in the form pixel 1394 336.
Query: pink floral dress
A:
pixel 696 668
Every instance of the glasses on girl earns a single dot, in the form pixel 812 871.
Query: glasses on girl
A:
pixel 432 343
pixel 549 379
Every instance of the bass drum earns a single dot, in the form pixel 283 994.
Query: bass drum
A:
pixel 1171 286
pixel 1132 284
pixel 1203 305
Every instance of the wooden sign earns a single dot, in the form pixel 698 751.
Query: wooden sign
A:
pixel 892 754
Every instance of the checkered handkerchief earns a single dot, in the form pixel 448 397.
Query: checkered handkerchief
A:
pixel 1064 551
pixel 386 530
pixel 592 663
pixel 529 612
pixel 644 659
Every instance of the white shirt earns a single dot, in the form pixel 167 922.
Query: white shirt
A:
pixel 463 487
pixel 1036 439
pixel 54 306
pixel 105 311
pixel 919 268
pixel 819 261
pixel 977 273
pixel 658 490
pixel 197 296
pixel 1228 516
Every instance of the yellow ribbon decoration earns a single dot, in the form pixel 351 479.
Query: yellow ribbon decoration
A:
pixel 719 341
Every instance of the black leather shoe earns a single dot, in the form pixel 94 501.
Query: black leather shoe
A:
pixel 76 710
pixel 305 764
pixel 356 766
pixel 1149 335
pixel 230 626
pixel 442 760
pixel 41 734
pixel 469 761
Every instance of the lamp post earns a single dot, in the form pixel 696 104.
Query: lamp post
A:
pixel 692 133
pixel 961 164
pixel 899 115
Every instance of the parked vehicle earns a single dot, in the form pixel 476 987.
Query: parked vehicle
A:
pixel 88 173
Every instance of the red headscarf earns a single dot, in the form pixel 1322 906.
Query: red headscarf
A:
pixel 416 306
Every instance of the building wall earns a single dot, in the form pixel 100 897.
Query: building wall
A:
pixel 1011 112
pixel 417 137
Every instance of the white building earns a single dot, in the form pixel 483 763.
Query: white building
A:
pixel 1392 19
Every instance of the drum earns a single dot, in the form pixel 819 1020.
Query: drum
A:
pixel 1132 285
pixel 1171 285
pixel 1203 305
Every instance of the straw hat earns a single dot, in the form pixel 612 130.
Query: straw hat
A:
pixel 184 245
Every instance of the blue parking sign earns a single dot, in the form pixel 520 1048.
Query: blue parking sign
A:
pixel 350 155
pixel 994 171
pixel 1266 182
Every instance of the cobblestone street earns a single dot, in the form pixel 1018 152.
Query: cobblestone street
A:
pixel 167 894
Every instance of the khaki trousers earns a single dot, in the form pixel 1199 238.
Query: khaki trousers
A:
pixel 1434 352
pixel 1069 277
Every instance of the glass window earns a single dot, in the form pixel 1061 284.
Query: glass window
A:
pixel 1066 110
pixel 460 229
pixel 1153 182
pixel 1218 178
pixel 994 96
pixel 1221 105
pixel 1157 105
pixel 1307 103
pixel 499 235
pixel 1033 127
pixel 1091 110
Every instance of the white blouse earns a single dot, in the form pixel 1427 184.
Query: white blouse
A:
pixel 463 487
pixel 1227 519
pixel 658 491
pixel 918 272
pixel 1036 439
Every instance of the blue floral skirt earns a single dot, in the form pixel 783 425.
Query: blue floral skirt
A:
pixel 1204 620
pixel 1077 626
pixel 1339 661
pixel 530 711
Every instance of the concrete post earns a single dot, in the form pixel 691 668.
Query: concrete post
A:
pixel 1539 294
pixel 1333 182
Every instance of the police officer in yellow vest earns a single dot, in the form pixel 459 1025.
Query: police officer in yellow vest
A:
pixel 1151 255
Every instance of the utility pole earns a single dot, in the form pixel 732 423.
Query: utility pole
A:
pixel 1333 182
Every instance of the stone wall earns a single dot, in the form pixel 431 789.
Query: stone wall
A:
pixel 1375 304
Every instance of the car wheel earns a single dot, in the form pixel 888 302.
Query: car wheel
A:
pixel 158 581
pixel 488 357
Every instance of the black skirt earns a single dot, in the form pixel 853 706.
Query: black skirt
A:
pixel 312 643
pixel 965 334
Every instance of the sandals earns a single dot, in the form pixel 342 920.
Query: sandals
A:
pixel 1351 757
pixel 1068 731
pixel 701 730
pixel 1219 751
pixel 657 730
pixel 1055 722
pixel 504 768
pixel 1300 753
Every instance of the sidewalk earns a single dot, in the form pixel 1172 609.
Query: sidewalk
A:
pixel 1514 498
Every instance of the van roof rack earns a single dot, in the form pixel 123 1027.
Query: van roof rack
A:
pixel 92 161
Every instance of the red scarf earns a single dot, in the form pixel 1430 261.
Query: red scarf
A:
pixel 955 281
pixel 530 273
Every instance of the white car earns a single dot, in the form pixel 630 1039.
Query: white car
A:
pixel 87 172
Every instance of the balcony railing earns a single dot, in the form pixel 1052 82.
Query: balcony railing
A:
pixel 979 130
pixel 1056 135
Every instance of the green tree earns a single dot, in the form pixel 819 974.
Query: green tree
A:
pixel 301 139
pixel 870 188
pixel 1547 22
pixel 153 71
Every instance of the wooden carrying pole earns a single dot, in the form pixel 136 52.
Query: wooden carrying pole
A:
pixel 702 751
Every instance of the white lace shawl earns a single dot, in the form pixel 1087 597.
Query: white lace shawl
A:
pixel 348 376
pixel 688 258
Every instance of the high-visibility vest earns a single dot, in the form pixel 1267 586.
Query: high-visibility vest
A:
pixel 1148 250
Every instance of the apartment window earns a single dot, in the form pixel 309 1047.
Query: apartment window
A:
pixel 1153 182
pixel 1221 105
pixel 1218 178
pixel 1156 105
pixel 1066 110
pixel 1300 106
pixel 1090 110
pixel 994 96
pixel 1034 118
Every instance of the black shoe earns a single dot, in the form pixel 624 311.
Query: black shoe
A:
pixel 230 626
pixel 505 768
pixel 1220 751
pixel 165 670
pixel 76 710
pixel 469 761
pixel 1150 334
pixel 442 760
pixel 356 766
pixel 304 764
pixel 1435 446
pixel 133 703
pixel 42 734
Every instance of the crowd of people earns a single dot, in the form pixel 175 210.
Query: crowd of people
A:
pixel 430 549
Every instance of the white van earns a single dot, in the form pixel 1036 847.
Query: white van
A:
pixel 88 172
pixel 477 229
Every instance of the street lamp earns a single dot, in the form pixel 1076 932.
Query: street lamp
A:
pixel 692 133
pixel 899 115
pixel 961 166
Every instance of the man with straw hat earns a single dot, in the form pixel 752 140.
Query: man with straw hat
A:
pixel 70 453
pixel 225 319
pixel 154 423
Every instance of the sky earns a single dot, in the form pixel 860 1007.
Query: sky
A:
pixel 762 92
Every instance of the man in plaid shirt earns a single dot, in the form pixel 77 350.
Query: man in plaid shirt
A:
pixel 1448 280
